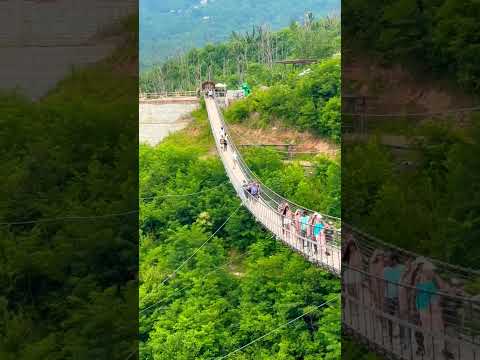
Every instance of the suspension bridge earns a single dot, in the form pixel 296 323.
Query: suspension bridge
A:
pixel 445 326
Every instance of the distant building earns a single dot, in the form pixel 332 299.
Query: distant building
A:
pixel 221 90
pixel 208 85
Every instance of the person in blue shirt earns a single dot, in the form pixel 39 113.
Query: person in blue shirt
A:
pixel 428 286
pixel 304 219
pixel 392 274
pixel 319 232
pixel 255 190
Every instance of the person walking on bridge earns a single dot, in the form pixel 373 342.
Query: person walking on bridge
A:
pixel 296 224
pixel 284 211
pixel 352 264
pixel 254 189
pixel 392 273
pixel 235 159
pixel 376 265
pixel 304 224
pixel 405 302
pixel 319 227
pixel 223 143
pixel 427 302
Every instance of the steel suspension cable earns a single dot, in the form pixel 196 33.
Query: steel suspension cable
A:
pixel 201 246
pixel 204 277
pixel 276 329
pixel 182 195
pixel 70 218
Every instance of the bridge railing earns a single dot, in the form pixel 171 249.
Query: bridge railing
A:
pixel 426 313
pixel 403 321
pixel 321 247
pixel 168 94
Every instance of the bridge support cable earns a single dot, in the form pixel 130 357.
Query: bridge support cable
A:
pixel 277 328
pixel 265 207
pixel 213 271
pixel 199 248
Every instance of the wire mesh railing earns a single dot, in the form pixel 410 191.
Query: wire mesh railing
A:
pixel 407 306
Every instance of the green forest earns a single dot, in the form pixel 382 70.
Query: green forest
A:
pixel 307 102
pixel 428 206
pixel 431 208
pixel 246 56
pixel 68 209
pixel 437 37
pixel 243 283
pixel 170 27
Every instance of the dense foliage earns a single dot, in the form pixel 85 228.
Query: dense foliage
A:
pixel 431 209
pixel 171 26
pixel 308 101
pixel 440 35
pixel 68 288
pixel 248 56
pixel 242 283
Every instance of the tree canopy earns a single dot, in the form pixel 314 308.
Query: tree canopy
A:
pixel 243 283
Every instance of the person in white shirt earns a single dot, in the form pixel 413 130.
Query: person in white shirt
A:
pixel 235 159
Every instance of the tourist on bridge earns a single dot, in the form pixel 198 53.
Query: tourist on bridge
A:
pixel 392 274
pixel 210 93
pixel 319 227
pixel 304 225
pixel 256 190
pixel 223 142
pixel 406 306
pixel 235 159
pixel 352 264
pixel 296 223
pixel 427 302
pixel 253 189
pixel 376 266
pixel 286 214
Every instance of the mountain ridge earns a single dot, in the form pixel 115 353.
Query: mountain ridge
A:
pixel 174 26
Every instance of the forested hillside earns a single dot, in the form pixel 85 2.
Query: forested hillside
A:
pixel 246 56
pixel 435 198
pixel 308 102
pixel 242 283
pixel 433 195
pixel 68 208
pixel 437 37
pixel 171 27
